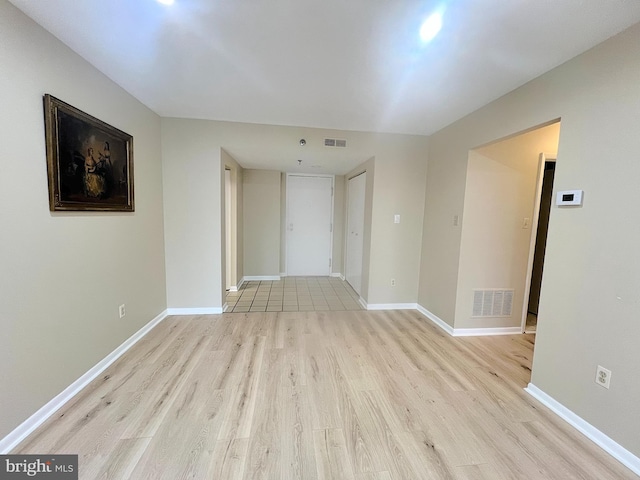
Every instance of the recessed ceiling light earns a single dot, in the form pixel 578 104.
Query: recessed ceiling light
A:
pixel 166 2
pixel 430 27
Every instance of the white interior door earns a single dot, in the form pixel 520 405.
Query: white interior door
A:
pixel 309 217
pixel 355 231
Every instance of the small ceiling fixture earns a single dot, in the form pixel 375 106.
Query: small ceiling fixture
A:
pixel 300 161
pixel 303 142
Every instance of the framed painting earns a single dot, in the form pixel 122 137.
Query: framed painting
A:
pixel 89 163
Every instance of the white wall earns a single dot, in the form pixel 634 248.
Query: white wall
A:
pixel 494 249
pixel 63 275
pixel 589 300
pixel 191 159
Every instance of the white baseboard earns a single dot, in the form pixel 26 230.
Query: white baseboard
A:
pixel 21 432
pixel 225 307
pixel 467 332
pixel 283 274
pixel 261 278
pixel 479 332
pixel 435 319
pixel 338 275
pixel 235 288
pixel 195 311
pixel 363 302
pixel 391 306
pixel 614 449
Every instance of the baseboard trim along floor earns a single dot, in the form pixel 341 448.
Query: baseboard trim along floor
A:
pixel 613 448
pixel 467 332
pixel 34 421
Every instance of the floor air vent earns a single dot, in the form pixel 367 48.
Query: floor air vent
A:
pixel 492 303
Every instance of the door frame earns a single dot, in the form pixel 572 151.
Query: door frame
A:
pixel 286 203
pixel 542 159
pixel 228 225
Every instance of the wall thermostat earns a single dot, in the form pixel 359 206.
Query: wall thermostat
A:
pixel 569 197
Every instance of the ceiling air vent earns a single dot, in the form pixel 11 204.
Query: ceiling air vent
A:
pixel 335 142
pixel 492 303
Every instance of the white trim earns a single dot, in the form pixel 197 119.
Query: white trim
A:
pixel 261 278
pixel 338 275
pixel 363 302
pixel 479 332
pixel 391 306
pixel 283 274
pixel 195 311
pixel 467 332
pixel 435 319
pixel 235 288
pixel 12 440
pixel 225 307
pixel 613 448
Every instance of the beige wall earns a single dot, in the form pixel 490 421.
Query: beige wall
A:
pixel 261 222
pixel 399 188
pixel 192 215
pixel 337 265
pixel 63 275
pixel 494 249
pixel 283 223
pixel 191 159
pixel 589 299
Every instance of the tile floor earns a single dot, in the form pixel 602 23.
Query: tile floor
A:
pixel 293 294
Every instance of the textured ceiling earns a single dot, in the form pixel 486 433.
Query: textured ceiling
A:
pixel 348 65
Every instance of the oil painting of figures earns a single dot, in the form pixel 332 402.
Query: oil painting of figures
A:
pixel 90 163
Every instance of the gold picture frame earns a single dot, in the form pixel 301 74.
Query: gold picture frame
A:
pixel 89 163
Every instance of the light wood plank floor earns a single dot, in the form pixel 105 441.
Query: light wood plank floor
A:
pixel 318 395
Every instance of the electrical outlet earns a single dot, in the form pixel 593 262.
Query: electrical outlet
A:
pixel 393 282
pixel 122 311
pixel 603 377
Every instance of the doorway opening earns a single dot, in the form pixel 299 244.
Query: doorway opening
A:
pixel 499 227
pixel 543 202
